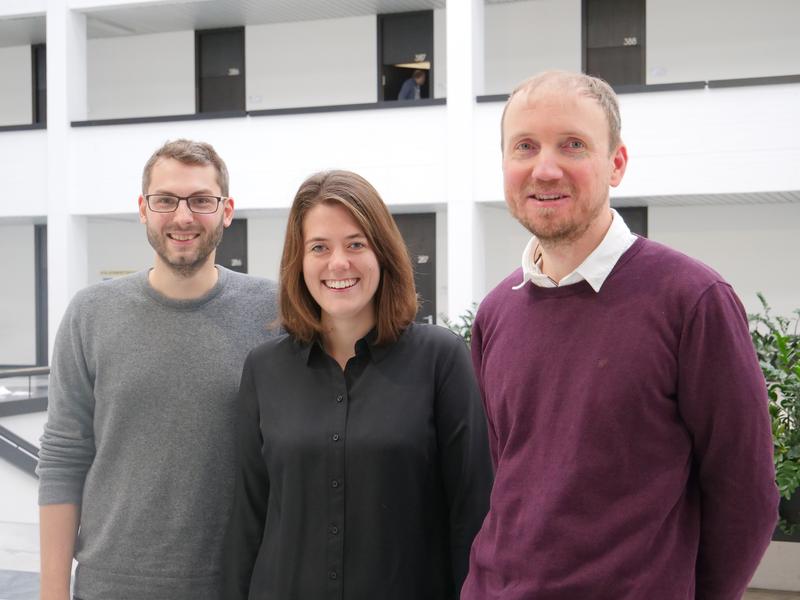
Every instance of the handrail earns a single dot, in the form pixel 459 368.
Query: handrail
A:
pixel 18 451
pixel 17 406
pixel 13 448
pixel 24 372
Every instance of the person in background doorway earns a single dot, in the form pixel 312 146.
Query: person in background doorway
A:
pixel 627 411
pixel 365 467
pixel 410 89
pixel 136 466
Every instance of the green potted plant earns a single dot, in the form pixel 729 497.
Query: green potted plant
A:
pixel 777 343
pixel 463 326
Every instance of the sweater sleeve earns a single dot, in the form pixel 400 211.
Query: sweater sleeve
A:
pixel 67 445
pixel 464 454
pixel 251 494
pixel 722 398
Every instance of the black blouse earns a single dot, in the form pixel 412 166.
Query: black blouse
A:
pixel 358 484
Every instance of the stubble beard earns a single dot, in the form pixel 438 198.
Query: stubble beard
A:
pixel 554 234
pixel 183 265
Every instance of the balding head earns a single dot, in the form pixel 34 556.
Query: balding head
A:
pixel 579 83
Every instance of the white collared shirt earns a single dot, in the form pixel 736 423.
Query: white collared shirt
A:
pixel 594 269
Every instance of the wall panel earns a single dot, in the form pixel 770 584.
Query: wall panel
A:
pixel 141 75
pixel 16 92
pixel 311 63
pixel 721 39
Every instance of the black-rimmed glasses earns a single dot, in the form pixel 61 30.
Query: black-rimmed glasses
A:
pixel 166 203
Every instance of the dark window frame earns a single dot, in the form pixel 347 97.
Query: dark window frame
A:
pixel 40 290
pixel 379 59
pixel 198 33
pixel 640 211
pixel 37 117
pixel 643 44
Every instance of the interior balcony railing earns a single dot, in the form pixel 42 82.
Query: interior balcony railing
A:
pixel 22 391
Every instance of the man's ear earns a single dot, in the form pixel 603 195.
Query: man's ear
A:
pixel 619 162
pixel 227 212
pixel 142 210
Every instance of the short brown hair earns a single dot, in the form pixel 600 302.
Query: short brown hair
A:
pixel 396 296
pixel 587 85
pixel 188 152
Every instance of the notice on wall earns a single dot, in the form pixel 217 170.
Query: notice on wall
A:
pixel 107 274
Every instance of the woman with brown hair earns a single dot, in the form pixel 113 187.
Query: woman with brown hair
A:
pixel 365 470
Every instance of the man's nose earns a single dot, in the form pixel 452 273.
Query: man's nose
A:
pixel 546 167
pixel 182 213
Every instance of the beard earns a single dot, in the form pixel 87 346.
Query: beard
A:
pixel 186 265
pixel 551 232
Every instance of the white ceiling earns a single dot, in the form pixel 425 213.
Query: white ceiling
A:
pixel 711 199
pixel 183 15
pixel 22 31
pixel 209 14
pixel 186 15
pixel 792 196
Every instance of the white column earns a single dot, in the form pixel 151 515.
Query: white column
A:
pixel 66 102
pixel 465 253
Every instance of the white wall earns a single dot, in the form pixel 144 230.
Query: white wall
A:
pixel 400 151
pixel 116 245
pixel 16 86
pixel 754 247
pixel 713 141
pixel 141 76
pixel 17 301
pixel 523 38
pixel 23 164
pixel 265 233
pixel 439 53
pixel 504 239
pixel 311 63
pixel 689 40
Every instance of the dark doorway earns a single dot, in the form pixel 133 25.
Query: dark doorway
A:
pixel 219 58
pixel 419 233
pixel 232 250
pixel 405 43
pixel 614 40
pixel 39 71
pixel 40 291
pixel 635 218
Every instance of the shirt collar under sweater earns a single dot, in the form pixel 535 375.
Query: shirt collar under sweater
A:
pixel 594 269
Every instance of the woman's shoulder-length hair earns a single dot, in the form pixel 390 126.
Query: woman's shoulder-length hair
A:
pixel 396 297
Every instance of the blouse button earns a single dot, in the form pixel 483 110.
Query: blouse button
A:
pixel 335 437
pixel 335 483
pixel 332 574
pixel 339 398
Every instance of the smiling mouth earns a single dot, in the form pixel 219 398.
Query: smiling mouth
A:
pixel 548 197
pixel 339 284
pixel 182 237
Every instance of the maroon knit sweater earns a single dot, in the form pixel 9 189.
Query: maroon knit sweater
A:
pixel 630 435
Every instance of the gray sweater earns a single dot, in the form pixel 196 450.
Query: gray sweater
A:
pixel 140 431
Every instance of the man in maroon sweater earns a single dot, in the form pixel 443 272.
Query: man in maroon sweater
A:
pixel 627 412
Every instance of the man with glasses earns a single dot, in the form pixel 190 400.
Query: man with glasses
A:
pixel 137 456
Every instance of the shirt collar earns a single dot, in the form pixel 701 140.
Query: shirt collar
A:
pixel 594 269
pixel 365 345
